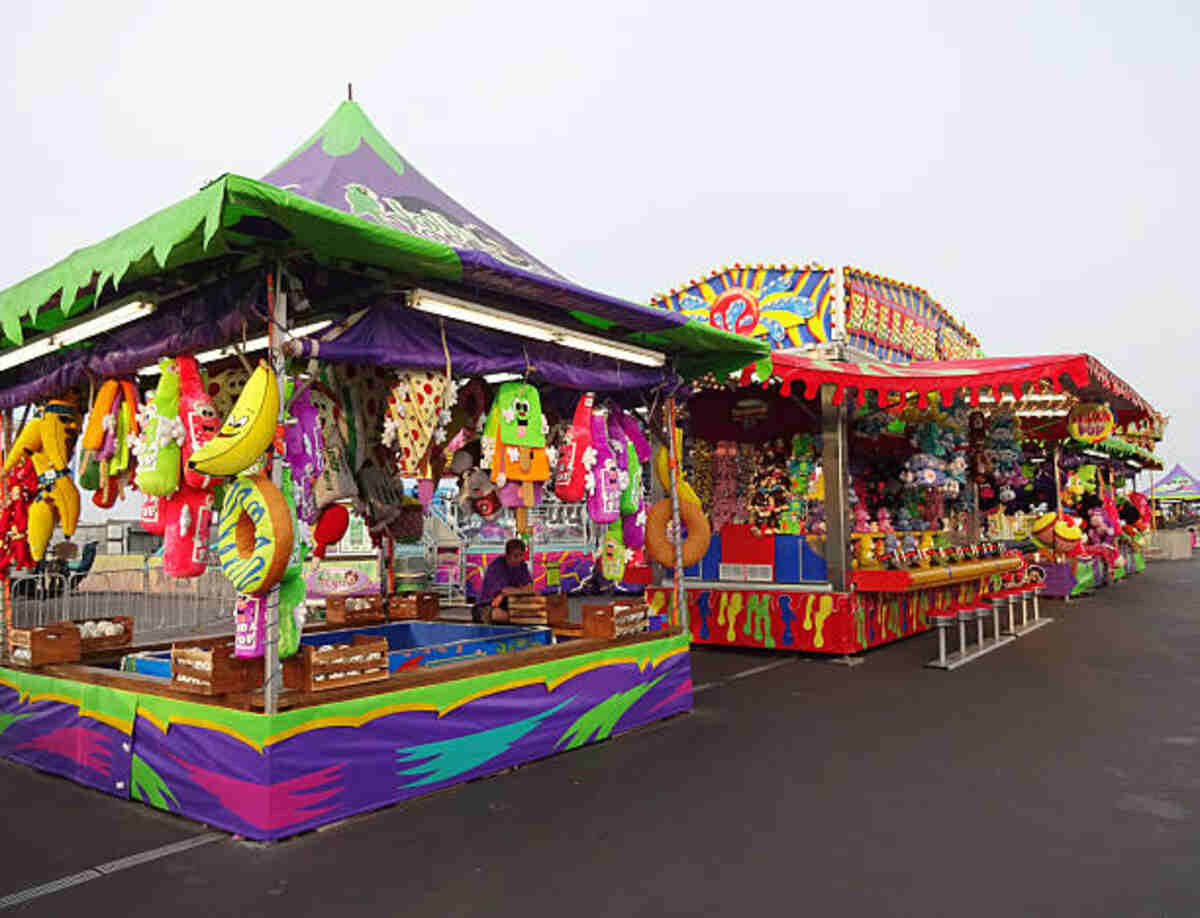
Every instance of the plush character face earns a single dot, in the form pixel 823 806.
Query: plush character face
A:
pixel 518 412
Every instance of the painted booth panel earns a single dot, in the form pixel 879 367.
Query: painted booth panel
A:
pixel 269 777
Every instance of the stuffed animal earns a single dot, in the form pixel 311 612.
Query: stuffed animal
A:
pixel 48 441
pixel 604 497
pixel 22 483
pixel 571 476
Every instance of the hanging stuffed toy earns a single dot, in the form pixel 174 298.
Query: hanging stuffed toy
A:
pixel 517 428
pixel 414 407
pixel 178 422
pixel 571 475
pixel 613 555
pixel 22 483
pixel 628 439
pixel 106 462
pixel 48 440
pixel 304 449
pixel 604 499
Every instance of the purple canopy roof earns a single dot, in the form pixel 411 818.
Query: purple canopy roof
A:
pixel 349 166
pixel 391 334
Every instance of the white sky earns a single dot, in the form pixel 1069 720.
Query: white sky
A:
pixel 1031 164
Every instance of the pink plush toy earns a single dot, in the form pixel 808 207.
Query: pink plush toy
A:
pixel 604 502
pixel 186 515
pixel 884 517
pixel 862 521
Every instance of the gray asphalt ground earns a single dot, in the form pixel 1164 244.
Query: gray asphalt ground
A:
pixel 1057 776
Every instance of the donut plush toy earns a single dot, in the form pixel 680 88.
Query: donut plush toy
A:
pixel 254 536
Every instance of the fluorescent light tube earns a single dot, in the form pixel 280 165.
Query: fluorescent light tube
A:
pixel 501 377
pixel 254 344
pixel 73 334
pixel 475 314
pixel 452 308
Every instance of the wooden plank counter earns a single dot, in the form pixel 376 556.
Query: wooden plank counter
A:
pixel 884 580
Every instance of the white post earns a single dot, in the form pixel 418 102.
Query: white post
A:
pixel 673 455
pixel 272 672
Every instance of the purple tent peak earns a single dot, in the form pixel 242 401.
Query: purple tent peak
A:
pixel 349 166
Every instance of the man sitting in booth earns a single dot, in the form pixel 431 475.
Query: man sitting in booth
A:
pixel 506 576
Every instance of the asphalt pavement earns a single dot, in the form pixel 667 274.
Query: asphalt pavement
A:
pixel 1059 775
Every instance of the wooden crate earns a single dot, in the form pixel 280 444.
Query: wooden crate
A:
pixel 354 610
pixel 537 610
pixel 58 643
pixel 424 606
pixel 214 670
pixel 124 639
pixel 618 619
pixel 334 667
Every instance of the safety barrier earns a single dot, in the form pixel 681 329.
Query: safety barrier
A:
pixel 155 602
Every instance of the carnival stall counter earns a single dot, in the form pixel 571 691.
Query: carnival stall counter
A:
pixel 328 755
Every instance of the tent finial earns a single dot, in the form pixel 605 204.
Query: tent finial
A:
pixel 350 92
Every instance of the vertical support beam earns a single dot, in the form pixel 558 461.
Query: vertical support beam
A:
pixel 273 673
pixel 834 446
pixel 677 528
pixel 5 446
pixel 974 521
pixel 1057 485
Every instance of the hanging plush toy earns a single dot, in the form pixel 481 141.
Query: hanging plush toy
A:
pixel 22 485
pixel 604 497
pixel 613 554
pixel 571 475
pixel 178 422
pixel 633 496
pixel 244 437
pixel 304 449
pixel 48 440
pixel 414 414
pixel 517 429
pixel 106 462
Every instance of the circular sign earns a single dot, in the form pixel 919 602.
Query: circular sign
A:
pixel 1090 422
pixel 735 310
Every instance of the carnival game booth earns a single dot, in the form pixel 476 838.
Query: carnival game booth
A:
pixel 1074 501
pixel 1174 499
pixel 381 304
pixel 844 497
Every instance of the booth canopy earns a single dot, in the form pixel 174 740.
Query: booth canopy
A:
pixel 1080 374
pixel 236 222
pixel 1177 484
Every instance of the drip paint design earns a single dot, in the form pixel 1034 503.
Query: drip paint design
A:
pixel 448 759
pixel 146 785
pixel 598 723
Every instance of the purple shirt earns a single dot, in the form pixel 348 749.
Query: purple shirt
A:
pixel 499 575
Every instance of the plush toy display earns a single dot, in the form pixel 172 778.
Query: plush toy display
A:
pixel 414 410
pixel 304 449
pixel 604 498
pixel 517 429
pixel 254 536
pixel 48 441
pixel 571 475
pixel 22 483
pixel 242 439
pixel 107 463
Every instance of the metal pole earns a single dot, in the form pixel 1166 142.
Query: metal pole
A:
pixel 677 535
pixel 272 672
pixel 837 507
pixel 1057 486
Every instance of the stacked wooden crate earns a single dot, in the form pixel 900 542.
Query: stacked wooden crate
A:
pixel 617 619
pixel 354 610
pixel 424 605
pixel 58 643
pixel 334 666
pixel 536 610
pixel 212 669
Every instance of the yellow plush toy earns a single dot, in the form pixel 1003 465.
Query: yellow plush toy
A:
pixel 48 439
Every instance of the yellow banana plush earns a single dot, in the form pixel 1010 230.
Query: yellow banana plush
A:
pixel 662 465
pixel 49 440
pixel 248 430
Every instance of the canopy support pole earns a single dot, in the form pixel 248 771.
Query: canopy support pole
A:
pixel 677 529
pixel 834 439
pixel 1057 484
pixel 272 671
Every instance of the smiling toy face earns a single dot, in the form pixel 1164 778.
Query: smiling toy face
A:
pixel 518 412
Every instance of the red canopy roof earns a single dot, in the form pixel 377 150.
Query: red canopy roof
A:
pixel 1081 374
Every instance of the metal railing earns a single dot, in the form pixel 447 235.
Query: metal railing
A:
pixel 155 602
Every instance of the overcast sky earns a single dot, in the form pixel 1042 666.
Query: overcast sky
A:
pixel 1031 164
